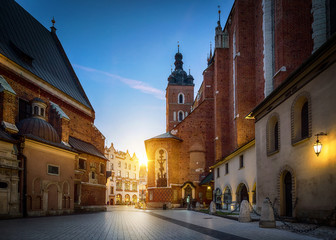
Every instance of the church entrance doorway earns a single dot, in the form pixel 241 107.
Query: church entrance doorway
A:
pixel 288 194
pixel 188 193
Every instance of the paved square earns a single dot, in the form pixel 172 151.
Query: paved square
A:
pixel 129 223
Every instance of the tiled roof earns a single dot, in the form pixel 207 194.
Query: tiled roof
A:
pixel 166 135
pixel 29 44
pixel 208 178
pixel 5 86
pixel 85 147
pixel 55 144
pixel 6 137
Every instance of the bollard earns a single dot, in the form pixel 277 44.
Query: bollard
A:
pixel 212 208
pixel 244 213
pixel 267 215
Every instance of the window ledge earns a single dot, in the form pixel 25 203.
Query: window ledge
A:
pixel 299 141
pixel 241 167
pixel 272 153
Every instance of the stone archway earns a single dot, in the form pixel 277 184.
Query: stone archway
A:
pixel 52 197
pixel 227 198
pixel 242 193
pixel 118 199
pixel 286 191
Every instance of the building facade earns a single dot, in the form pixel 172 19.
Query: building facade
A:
pixel 260 46
pixel 52 153
pixel 288 124
pixel 123 181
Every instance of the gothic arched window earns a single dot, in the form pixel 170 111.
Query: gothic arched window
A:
pixel 180 116
pixel 180 98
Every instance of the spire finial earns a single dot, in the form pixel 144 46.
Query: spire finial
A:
pixel 210 50
pixel 219 12
pixel 53 22
pixel 189 70
pixel 178 46
pixel 171 69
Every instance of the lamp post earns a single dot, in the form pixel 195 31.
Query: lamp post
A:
pixel 318 144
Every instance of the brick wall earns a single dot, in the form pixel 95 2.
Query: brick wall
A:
pixel 172 104
pixel 80 124
pixel 196 129
pixel 293 36
pixel 8 107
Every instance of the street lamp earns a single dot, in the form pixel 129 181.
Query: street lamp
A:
pixel 318 144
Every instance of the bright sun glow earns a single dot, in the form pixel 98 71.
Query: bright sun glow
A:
pixel 143 161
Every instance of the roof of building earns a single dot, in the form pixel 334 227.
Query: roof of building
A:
pixel 55 144
pixel 5 86
pixel 208 178
pixel 85 147
pixel 59 110
pixel 166 135
pixel 38 127
pixel 6 137
pixel 179 76
pixel 29 44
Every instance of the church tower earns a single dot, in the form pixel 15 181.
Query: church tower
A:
pixel 179 94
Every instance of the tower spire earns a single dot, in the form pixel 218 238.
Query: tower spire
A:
pixel 53 29
pixel 210 49
pixel 219 12
pixel 178 46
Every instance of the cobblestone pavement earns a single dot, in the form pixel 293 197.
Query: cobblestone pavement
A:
pixel 129 223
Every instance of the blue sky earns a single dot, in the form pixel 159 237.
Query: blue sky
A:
pixel 122 52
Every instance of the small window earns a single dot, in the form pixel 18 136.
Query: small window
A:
pixel 119 173
pixel 119 164
pixel 304 121
pixel 102 168
pixel 42 112
pixel 127 174
pixel 3 185
pixel 82 164
pixel 111 156
pixel 181 98
pixel 273 134
pixel 36 110
pixel 180 116
pixel 276 136
pixel 241 161
pixel 112 168
pixel 119 185
pixel 125 165
pixel 93 175
pixel 129 167
pixel 226 168
pixel 301 118
pixel 218 173
pixel 134 187
pixel 53 170
pixel 112 190
pixel 24 109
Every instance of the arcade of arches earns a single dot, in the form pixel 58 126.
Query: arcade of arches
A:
pixel 225 199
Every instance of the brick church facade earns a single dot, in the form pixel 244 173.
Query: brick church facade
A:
pixel 52 157
pixel 260 45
